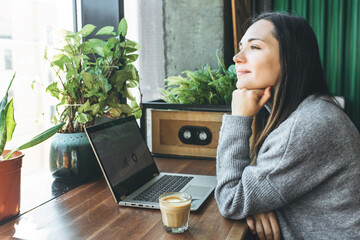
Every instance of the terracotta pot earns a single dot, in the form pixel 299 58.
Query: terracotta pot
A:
pixel 10 175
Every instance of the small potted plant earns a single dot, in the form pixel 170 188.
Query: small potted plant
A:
pixel 94 78
pixel 201 98
pixel 11 160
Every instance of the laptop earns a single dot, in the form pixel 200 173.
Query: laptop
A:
pixel 131 172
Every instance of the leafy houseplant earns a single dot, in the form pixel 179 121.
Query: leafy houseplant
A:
pixel 11 161
pixel 94 77
pixel 203 86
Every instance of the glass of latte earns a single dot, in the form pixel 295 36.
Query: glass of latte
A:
pixel 175 210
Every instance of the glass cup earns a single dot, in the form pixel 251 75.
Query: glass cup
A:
pixel 175 210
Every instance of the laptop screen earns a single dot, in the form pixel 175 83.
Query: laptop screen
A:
pixel 123 155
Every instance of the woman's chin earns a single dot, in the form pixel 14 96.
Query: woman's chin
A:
pixel 247 85
pixel 243 84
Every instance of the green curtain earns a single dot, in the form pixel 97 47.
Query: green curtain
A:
pixel 336 24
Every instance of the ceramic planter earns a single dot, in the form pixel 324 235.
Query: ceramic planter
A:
pixel 10 175
pixel 72 158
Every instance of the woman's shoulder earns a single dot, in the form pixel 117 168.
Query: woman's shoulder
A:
pixel 321 109
pixel 323 116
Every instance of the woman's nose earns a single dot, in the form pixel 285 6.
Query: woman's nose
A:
pixel 239 57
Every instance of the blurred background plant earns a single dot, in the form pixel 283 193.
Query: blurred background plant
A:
pixel 203 86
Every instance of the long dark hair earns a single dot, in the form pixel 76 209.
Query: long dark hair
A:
pixel 301 73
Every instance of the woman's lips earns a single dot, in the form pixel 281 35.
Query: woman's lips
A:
pixel 242 72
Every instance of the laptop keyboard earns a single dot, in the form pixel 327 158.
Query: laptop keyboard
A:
pixel 167 183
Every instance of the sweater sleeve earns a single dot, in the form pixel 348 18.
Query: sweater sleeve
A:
pixel 239 192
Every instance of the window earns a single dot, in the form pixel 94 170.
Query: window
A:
pixel 30 26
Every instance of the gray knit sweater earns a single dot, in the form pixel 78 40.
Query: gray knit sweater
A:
pixel 307 171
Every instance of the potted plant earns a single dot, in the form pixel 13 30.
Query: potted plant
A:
pixel 94 78
pixel 200 97
pixel 11 160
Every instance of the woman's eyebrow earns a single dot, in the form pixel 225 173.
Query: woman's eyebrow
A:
pixel 252 39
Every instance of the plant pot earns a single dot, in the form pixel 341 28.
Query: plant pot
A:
pixel 10 175
pixel 72 158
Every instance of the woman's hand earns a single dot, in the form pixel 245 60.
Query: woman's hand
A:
pixel 247 102
pixel 265 225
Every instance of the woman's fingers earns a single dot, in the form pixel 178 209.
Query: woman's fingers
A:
pixel 259 228
pixel 274 225
pixel 267 228
pixel 251 224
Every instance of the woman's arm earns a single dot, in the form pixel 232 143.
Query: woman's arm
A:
pixel 240 191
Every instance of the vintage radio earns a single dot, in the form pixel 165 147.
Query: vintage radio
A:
pixel 185 133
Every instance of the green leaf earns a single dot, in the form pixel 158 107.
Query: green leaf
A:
pixel 62 57
pixel 86 30
pixel 129 95
pixel 95 108
pixel 4 108
pixel 3 102
pixel 132 57
pixel 125 108
pixel 2 130
pixel 53 90
pixel 45 53
pixel 108 30
pixel 138 114
pixel 37 139
pixel 68 33
pixel 83 118
pixel 120 77
pixel 132 83
pixel 96 42
pixel 220 62
pixel 115 112
pixel 88 79
pixel 97 45
pixel 134 104
pixel 131 46
pixel 122 28
pixel 85 107
pixel 10 121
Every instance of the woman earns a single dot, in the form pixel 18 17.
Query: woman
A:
pixel 305 150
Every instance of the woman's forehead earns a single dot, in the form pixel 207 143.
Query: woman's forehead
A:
pixel 262 29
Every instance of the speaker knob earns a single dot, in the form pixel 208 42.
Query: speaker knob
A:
pixel 187 134
pixel 203 136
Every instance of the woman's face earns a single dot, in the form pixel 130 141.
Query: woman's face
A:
pixel 258 61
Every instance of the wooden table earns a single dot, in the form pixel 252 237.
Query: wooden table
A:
pixel 90 212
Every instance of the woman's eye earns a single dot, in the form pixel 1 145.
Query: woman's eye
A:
pixel 254 47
